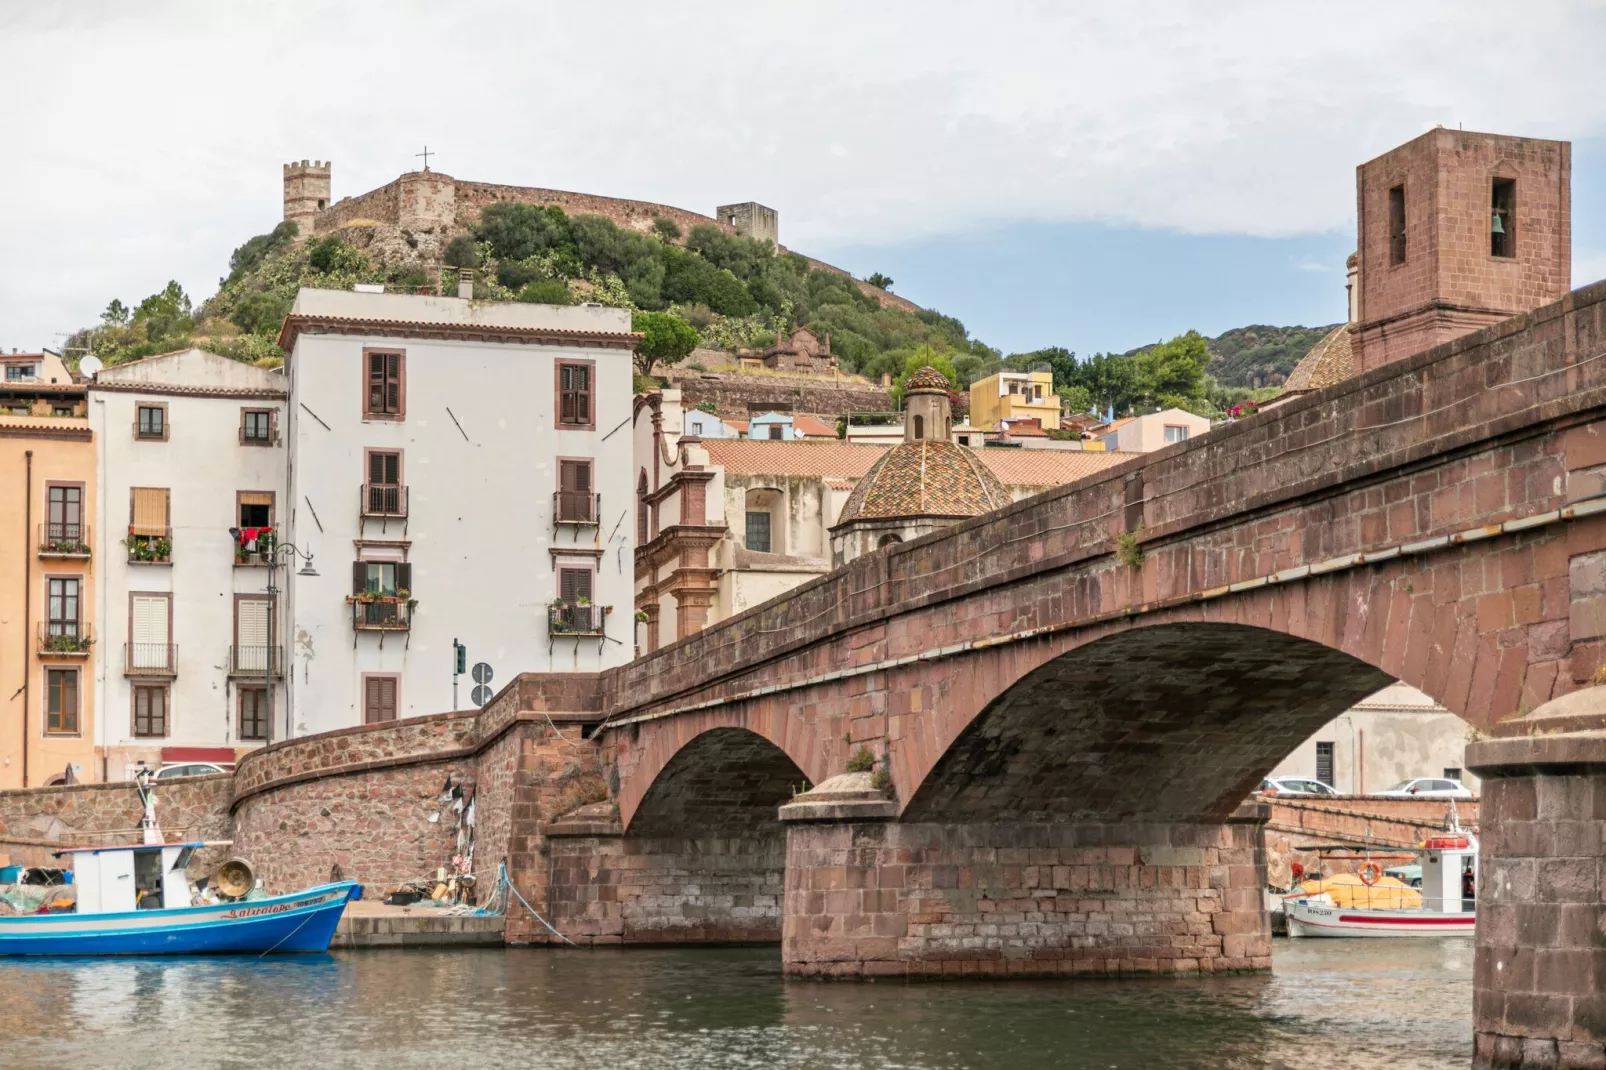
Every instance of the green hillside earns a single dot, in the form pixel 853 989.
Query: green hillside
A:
pixel 1260 355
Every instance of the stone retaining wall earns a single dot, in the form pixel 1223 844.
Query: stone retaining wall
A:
pixel 35 822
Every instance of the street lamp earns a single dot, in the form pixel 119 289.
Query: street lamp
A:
pixel 290 552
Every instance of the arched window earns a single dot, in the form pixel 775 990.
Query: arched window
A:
pixel 920 427
pixel 643 526
pixel 889 539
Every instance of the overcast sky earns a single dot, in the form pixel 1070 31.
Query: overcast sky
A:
pixel 1087 175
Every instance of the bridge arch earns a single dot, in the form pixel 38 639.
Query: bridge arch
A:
pixel 1170 722
pixel 724 781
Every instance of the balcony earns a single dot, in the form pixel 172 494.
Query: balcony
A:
pixel 576 618
pixel 64 639
pixel 385 500
pixel 381 613
pixel 150 659
pixel 64 541
pixel 253 661
pixel 251 546
pixel 576 507
pixel 150 549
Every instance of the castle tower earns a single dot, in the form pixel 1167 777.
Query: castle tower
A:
pixel 306 192
pixel 751 220
pixel 1458 230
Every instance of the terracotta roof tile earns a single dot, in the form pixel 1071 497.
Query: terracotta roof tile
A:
pixel 931 477
pixel 814 428
pixel 819 457
pixel 1329 361
pixel 1048 468
pixel 926 378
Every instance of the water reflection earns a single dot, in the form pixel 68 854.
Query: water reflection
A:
pixel 1399 1004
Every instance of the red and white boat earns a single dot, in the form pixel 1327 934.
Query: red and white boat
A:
pixel 1449 876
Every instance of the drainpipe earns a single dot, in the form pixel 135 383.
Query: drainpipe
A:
pixel 27 602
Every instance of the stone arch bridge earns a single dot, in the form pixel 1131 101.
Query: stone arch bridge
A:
pixel 1064 704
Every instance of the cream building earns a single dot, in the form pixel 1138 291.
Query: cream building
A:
pixel 191 452
pixel 1395 735
pixel 1154 431
pixel 460 471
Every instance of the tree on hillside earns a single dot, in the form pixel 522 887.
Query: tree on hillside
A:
pixel 667 339
pixel 880 281
pixel 923 357
pixel 1171 375
pixel 250 255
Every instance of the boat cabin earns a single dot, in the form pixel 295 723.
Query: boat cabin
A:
pixel 115 880
pixel 1450 872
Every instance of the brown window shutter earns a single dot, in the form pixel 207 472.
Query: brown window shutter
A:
pixel 404 577
pixel 582 476
pixel 359 577
pixel 566 476
pixel 582 384
pixel 388 702
pixel 393 382
pixel 582 586
pixel 370 700
pixel 376 468
pixel 568 580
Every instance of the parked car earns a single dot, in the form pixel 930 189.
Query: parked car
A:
pixel 1295 785
pixel 1427 788
pixel 168 772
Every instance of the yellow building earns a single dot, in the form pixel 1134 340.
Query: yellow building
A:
pixel 1013 395
pixel 47 485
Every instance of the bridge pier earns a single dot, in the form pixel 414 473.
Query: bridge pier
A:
pixel 1539 981
pixel 868 896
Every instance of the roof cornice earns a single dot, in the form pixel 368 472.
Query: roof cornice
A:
pixel 296 325
pixel 176 390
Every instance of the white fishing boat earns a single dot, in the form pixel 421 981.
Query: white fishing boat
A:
pixel 1447 897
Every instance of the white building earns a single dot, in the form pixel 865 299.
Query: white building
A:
pixel 461 471
pixel 190 448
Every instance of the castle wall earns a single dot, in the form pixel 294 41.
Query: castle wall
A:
pixel 473 197
pixel 379 205
pixel 732 394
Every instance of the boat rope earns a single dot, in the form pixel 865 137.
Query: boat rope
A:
pixel 504 882
pixel 310 915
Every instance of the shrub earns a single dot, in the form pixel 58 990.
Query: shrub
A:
pixel 666 228
pixel 460 252
pixel 545 292
pixel 880 281
pixel 862 760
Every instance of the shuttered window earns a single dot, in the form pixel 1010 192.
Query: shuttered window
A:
pixel 384 468
pixel 574 491
pixel 148 638
pixel 251 625
pixel 385 394
pixel 61 701
pixel 381 577
pixel 379 699
pixel 150 711
pixel 574 395
pixel 256 508
pixel 149 511
pixel 574 584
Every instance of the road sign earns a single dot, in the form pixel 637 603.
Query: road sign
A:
pixel 480 695
pixel 482 673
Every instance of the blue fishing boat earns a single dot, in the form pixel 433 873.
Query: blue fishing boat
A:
pixel 137 900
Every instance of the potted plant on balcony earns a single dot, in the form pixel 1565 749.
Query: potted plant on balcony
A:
pixel 68 644
pixel 163 549
pixel 557 617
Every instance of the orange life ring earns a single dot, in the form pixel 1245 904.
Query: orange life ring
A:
pixel 1370 873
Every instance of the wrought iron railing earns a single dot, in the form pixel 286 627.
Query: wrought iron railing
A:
pixel 64 638
pixel 252 660
pixel 384 499
pixel 150 659
pixel 63 539
pixel 576 618
pixel 381 615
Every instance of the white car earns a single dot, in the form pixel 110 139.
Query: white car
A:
pixel 168 772
pixel 1295 785
pixel 1427 788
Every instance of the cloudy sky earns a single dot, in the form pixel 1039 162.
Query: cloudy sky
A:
pixel 1088 175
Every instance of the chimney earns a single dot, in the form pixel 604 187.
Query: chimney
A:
pixel 465 284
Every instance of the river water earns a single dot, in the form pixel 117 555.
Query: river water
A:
pixel 1328 1004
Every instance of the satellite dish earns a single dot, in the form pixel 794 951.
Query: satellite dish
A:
pixel 90 366
pixel 480 695
pixel 481 673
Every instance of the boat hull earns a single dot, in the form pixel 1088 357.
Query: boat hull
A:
pixel 303 921
pixel 1314 919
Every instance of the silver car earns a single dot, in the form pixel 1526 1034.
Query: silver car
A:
pixel 1427 788
pixel 1295 785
